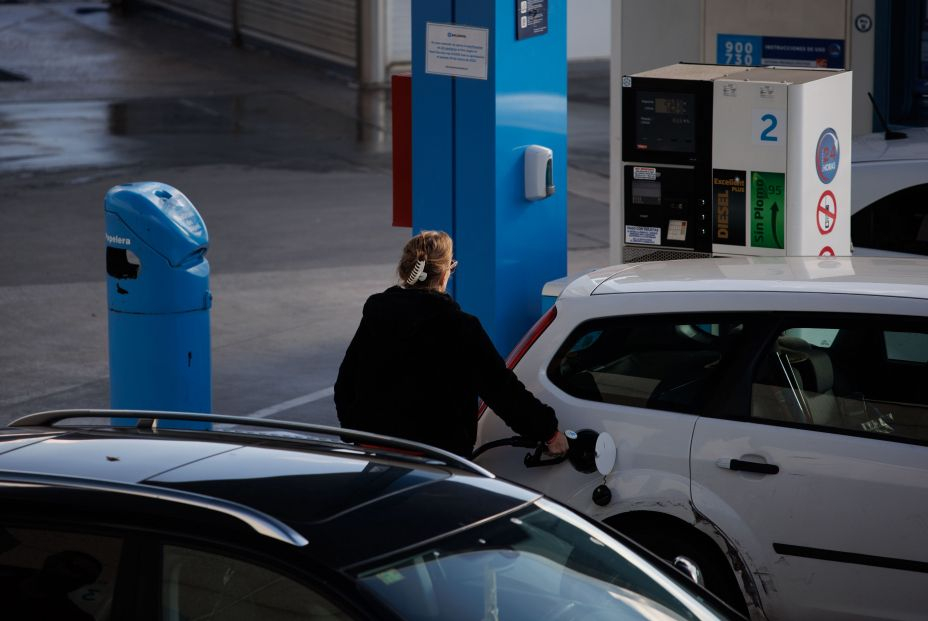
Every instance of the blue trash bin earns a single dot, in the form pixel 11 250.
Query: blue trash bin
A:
pixel 159 301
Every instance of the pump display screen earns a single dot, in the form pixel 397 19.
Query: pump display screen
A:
pixel 665 122
pixel 646 192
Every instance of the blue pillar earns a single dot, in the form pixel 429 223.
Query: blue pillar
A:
pixel 469 139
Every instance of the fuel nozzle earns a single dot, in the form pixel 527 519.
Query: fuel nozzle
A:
pixel 581 452
pixel 587 450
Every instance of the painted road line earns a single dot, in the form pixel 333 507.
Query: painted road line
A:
pixel 293 403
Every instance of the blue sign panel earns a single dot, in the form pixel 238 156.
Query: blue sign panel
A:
pixel 797 52
pixel 781 51
pixel 738 50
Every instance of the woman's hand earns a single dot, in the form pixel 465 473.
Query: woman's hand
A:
pixel 557 445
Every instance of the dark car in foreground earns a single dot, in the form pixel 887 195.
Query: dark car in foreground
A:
pixel 269 520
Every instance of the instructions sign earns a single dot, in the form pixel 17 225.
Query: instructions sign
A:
pixel 531 18
pixel 650 235
pixel 728 204
pixel 736 49
pixel 459 51
pixel 768 208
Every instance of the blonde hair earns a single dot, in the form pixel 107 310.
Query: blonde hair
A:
pixel 435 249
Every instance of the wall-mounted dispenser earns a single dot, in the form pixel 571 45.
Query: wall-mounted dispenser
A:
pixel 539 172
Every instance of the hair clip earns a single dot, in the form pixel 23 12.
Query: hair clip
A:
pixel 417 273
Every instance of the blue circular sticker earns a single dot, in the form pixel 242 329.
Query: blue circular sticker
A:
pixel 827 154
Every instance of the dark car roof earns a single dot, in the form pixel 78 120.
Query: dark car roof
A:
pixel 350 504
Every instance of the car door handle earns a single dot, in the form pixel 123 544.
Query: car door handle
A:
pixel 747 466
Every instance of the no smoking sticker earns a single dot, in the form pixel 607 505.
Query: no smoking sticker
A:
pixel 827 212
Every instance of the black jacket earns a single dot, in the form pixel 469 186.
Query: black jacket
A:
pixel 416 367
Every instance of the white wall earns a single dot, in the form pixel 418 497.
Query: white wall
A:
pixel 398 39
pixel 655 33
pixel 589 32
pixel 862 50
pixel 649 34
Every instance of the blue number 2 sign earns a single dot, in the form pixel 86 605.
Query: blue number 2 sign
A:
pixel 766 135
pixel 767 127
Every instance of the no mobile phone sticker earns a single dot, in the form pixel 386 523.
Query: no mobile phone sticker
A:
pixel 826 212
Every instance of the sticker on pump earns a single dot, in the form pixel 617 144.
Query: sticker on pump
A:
pixel 827 155
pixel 827 251
pixel 645 173
pixel 728 206
pixel 768 208
pixel 650 235
pixel 826 212
pixel 676 230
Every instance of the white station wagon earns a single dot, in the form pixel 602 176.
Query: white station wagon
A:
pixel 770 423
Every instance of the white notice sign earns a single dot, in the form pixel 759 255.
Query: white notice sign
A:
pixel 650 235
pixel 459 51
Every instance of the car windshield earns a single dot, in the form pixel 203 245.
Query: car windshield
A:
pixel 541 563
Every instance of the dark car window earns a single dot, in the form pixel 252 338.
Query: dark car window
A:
pixel 524 567
pixel 47 574
pixel 202 585
pixel 864 375
pixel 898 222
pixel 664 362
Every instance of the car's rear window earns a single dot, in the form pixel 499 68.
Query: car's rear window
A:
pixel 665 362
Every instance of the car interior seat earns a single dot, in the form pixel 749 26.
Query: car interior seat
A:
pixel 813 378
pixel 818 385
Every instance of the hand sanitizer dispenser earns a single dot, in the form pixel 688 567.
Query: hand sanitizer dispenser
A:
pixel 539 172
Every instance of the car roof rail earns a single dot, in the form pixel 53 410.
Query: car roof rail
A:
pixel 260 522
pixel 364 441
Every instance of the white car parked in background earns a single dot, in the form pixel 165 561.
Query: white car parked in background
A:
pixel 771 423
pixel 889 194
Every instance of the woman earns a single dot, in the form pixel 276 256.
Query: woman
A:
pixel 418 363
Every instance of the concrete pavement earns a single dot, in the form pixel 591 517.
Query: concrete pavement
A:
pixel 287 161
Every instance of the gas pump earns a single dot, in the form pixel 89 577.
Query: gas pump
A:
pixel 721 160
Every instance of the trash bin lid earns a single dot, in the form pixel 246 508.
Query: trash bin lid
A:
pixel 162 217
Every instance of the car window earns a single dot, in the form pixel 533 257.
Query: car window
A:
pixel 202 585
pixel 906 346
pixel 666 362
pixel 898 222
pixel 527 566
pixel 821 337
pixel 46 574
pixel 856 375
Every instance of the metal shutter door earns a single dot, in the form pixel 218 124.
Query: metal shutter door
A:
pixel 218 12
pixel 324 28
